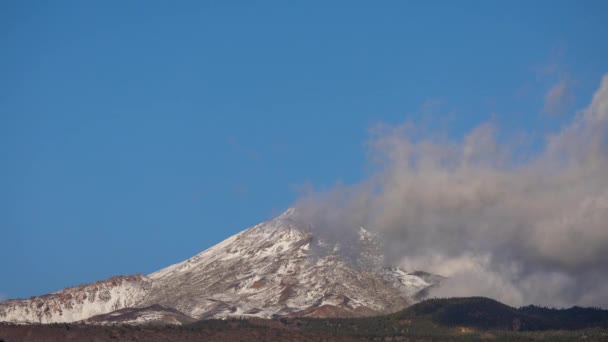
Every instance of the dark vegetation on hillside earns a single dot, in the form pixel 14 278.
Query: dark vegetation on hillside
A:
pixel 452 319
pixel 208 331
pixel 486 313
pixel 470 318
pixel 572 318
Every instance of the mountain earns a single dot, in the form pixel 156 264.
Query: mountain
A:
pixel 446 319
pixel 475 312
pixel 277 268
pixel 78 302
pixel 464 319
pixel 155 314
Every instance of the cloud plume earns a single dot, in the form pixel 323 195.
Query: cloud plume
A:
pixel 521 230
pixel 557 98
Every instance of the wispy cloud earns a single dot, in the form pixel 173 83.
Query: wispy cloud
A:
pixel 557 98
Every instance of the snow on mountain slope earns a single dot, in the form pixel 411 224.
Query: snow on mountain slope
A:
pixel 280 268
pixel 276 268
pixel 155 314
pixel 75 303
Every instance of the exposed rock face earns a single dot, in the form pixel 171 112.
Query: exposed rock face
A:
pixel 155 314
pixel 276 268
pixel 73 303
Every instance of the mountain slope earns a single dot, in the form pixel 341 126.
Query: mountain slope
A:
pixel 155 314
pixel 78 302
pixel 276 268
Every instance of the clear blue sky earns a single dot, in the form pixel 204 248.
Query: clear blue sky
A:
pixel 135 134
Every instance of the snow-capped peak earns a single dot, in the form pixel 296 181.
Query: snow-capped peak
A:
pixel 275 268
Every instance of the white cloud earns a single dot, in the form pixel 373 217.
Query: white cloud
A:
pixel 557 98
pixel 532 232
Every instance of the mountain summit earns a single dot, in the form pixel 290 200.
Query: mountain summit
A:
pixel 276 268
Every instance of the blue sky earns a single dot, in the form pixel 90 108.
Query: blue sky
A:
pixel 136 134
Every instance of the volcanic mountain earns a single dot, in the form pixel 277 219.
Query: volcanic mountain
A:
pixel 273 269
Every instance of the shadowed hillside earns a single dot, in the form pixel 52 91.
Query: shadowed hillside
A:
pixel 486 313
pixel 470 319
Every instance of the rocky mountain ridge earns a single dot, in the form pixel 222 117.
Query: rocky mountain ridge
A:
pixel 276 268
pixel 76 303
